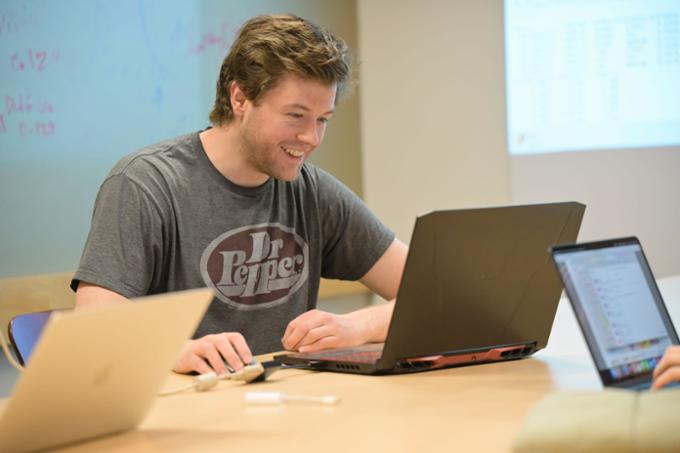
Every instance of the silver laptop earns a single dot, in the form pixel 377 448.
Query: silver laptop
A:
pixel 97 371
pixel 619 308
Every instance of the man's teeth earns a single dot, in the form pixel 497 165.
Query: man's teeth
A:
pixel 294 152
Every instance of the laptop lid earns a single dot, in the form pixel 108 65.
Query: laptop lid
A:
pixel 618 307
pixel 475 281
pixel 97 371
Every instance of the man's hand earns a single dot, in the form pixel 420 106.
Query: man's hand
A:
pixel 316 330
pixel 210 352
pixel 668 368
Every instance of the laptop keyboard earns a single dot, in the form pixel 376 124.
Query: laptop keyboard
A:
pixel 363 354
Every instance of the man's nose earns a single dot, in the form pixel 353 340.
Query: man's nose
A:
pixel 311 135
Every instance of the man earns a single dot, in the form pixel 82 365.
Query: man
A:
pixel 235 207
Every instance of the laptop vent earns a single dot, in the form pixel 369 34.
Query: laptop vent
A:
pixel 346 367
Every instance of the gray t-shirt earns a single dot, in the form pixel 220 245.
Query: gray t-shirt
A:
pixel 166 220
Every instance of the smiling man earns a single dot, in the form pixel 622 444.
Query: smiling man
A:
pixel 236 208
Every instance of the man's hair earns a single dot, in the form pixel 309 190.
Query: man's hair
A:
pixel 267 48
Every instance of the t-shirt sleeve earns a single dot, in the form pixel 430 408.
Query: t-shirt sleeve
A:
pixel 353 237
pixel 124 243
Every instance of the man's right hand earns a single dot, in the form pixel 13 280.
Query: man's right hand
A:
pixel 203 355
pixel 206 354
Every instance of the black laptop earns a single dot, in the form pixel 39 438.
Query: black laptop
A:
pixel 619 308
pixel 478 286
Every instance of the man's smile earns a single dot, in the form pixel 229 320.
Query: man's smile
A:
pixel 293 152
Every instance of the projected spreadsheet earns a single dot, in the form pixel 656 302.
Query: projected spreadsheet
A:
pixel 588 74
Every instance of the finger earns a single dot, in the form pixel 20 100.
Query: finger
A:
pixel 667 377
pixel 209 352
pixel 301 325
pixel 299 334
pixel 314 335
pixel 289 330
pixel 189 360
pixel 293 325
pixel 670 357
pixel 197 364
pixel 303 318
pixel 241 347
pixel 286 340
pixel 324 343
pixel 296 330
pixel 227 351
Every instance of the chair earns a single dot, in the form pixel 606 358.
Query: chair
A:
pixel 25 305
pixel 24 331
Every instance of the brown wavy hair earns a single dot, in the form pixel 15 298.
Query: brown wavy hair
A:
pixel 267 48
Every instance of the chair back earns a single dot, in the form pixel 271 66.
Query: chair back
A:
pixel 24 331
pixel 33 296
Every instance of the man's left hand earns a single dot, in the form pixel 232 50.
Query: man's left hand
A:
pixel 316 330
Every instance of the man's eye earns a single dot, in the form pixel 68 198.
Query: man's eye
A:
pixel 324 120
pixel 295 115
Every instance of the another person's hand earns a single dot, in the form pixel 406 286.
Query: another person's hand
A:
pixel 316 330
pixel 210 352
pixel 668 369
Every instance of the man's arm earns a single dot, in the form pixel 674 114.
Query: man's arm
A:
pixel 201 355
pixel 316 329
pixel 89 295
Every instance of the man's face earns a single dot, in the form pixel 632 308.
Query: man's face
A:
pixel 286 125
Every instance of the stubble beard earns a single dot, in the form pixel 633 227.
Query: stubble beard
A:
pixel 261 156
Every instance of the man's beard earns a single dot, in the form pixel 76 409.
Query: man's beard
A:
pixel 256 155
pixel 260 156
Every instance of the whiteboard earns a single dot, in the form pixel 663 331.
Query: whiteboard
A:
pixel 84 83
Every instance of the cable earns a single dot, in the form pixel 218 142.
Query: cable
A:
pixel 8 354
pixel 206 381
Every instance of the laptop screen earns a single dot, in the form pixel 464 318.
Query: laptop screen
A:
pixel 618 306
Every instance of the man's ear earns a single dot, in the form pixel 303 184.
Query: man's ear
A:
pixel 238 99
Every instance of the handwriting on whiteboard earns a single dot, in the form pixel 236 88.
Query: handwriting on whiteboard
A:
pixel 22 115
pixel 32 60
pixel 218 39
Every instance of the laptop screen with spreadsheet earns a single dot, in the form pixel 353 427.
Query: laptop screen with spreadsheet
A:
pixel 618 305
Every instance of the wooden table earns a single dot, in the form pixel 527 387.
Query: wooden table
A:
pixel 477 408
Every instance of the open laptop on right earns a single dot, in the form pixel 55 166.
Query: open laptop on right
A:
pixel 619 308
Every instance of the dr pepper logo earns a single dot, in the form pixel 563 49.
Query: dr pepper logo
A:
pixel 256 266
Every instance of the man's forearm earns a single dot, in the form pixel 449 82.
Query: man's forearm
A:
pixel 375 321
